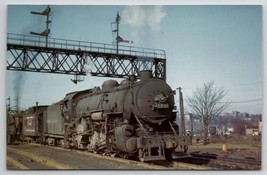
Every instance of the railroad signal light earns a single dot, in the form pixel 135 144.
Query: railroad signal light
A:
pixel 46 32
pixel 46 12
pixel 115 31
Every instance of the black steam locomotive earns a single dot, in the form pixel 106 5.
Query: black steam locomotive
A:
pixel 130 119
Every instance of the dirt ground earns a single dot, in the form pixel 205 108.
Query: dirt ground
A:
pixel 243 147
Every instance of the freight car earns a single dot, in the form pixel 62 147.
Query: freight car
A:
pixel 130 119
pixel 26 125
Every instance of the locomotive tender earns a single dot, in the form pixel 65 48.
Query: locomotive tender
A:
pixel 25 125
pixel 133 118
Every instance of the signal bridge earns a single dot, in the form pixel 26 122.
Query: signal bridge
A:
pixel 35 54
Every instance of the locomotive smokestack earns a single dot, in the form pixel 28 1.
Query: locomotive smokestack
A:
pixel 145 74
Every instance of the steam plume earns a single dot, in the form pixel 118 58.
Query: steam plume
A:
pixel 145 20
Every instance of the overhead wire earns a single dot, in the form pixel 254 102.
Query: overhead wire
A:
pixel 245 101
pixel 240 86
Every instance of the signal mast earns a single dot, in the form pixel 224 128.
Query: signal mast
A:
pixel 115 32
pixel 46 32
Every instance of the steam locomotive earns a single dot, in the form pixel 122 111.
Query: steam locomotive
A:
pixel 130 119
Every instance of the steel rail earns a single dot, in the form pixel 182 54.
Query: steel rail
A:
pixel 16 163
pixel 41 159
pixel 173 165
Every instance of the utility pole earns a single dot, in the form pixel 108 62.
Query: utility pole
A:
pixel 46 32
pixel 192 125
pixel 181 102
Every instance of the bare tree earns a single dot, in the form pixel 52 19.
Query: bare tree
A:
pixel 206 103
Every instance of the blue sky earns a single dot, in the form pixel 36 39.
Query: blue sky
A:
pixel 202 43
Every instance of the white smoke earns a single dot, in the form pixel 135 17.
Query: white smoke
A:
pixel 88 68
pixel 157 14
pixel 145 20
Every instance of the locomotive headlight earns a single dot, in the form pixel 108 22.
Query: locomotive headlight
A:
pixel 160 98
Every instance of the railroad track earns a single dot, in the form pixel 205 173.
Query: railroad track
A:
pixel 248 161
pixel 35 158
pixel 160 165
pixel 53 164
pixel 163 165
pixel 235 164
pixel 194 162
pixel 12 163
pixel 226 162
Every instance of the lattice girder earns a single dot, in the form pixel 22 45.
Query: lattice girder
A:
pixel 28 53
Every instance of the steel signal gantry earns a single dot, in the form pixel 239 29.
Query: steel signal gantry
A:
pixel 29 53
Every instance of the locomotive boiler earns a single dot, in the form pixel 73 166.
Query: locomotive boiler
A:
pixel 133 118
